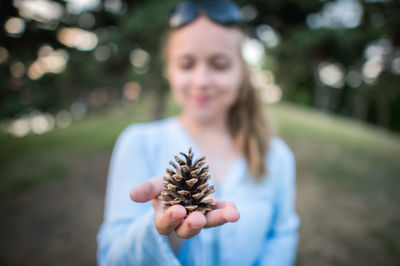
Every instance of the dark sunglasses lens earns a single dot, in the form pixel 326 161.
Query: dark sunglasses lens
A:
pixel 183 14
pixel 223 12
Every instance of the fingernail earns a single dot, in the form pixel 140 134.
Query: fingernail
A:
pixel 175 215
pixel 195 226
pixel 236 216
pixel 231 215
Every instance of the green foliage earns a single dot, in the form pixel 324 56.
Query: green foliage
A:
pixel 142 24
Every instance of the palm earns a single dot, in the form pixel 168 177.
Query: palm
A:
pixel 172 219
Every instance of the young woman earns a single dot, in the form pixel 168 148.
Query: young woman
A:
pixel 222 118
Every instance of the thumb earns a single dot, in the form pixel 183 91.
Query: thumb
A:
pixel 147 190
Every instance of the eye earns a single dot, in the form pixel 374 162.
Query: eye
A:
pixel 220 64
pixel 186 64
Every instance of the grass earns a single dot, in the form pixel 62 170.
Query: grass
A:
pixel 353 154
pixel 356 166
pixel 354 147
pixel 31 160
pixel 348 175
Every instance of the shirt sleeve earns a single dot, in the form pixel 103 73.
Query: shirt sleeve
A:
pixel 128 235
pixel 279 247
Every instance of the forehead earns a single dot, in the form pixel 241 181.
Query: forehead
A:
pixel 204 37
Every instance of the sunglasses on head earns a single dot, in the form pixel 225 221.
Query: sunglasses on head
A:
pixel 222 12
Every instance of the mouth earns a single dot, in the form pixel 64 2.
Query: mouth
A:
pixel 201 99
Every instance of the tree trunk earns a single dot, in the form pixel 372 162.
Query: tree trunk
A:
pixel 383 111
pixel 361 104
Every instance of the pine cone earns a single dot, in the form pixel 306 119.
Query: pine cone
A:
pixel 187 185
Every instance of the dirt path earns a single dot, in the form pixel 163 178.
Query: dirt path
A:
pixel 341 226
pixel 56 223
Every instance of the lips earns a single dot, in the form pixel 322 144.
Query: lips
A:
pixel 201 99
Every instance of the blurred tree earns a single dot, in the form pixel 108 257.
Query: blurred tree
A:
pixel 340 56
pixel 360 38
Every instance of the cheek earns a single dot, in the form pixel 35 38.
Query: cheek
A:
pixel 179 84
pixel 229 85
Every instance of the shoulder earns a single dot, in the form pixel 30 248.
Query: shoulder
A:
pixel 279 149
pixel 280 159
pixel 144 135
pixel 146 130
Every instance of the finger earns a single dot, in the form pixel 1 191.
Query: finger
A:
pixel 146 190
pixel 221 216
pixel 225 204
pixel 192 225
pixel 158 205
pixel 167 221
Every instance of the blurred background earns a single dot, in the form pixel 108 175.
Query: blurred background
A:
pixel 74 73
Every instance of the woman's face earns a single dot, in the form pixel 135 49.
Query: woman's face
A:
pixel 204 68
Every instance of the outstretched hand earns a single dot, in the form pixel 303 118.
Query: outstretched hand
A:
pixel 168 220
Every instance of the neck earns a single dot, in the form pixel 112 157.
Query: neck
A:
pixel 217 124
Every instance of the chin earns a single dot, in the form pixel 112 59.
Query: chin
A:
pixel 203 115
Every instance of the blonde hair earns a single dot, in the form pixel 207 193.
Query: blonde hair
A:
pixel 247 121
pixel 250 127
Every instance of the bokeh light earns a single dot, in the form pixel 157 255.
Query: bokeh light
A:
pixel 17 69
pixel 19 127
pixel 39 10
pixel 78 110
pixel 102 53
pixel 49 61
pixel 14 26
pixel 3 55
pixel 115 6
pixel 63 119
pixel 98 97
pixel 252 51
pixel 79 6
pixel 272 94
pixel 131 90
pixel 77 38
pixel 267 35
pixel 42 123
pixel 395 66
pixel 331 74
pixel 262 79
pixel 249 12
pixel 264 82
pixel 45 50
pixel 354 78
pixel 372 68
pixel 140 60
pixel 337 14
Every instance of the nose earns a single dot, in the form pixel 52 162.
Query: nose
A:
pixel 201 78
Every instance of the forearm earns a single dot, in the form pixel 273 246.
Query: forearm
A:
pixel 139 243
pixel 176 242
pixel 280 251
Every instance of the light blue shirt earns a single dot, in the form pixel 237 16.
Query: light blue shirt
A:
pixel 266 233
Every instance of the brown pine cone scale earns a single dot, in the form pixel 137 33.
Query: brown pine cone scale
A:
pixel 187 184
